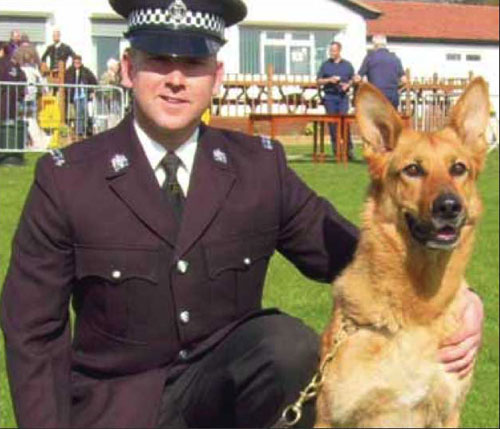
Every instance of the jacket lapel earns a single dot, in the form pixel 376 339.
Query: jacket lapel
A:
pixel 212 179
pixel 135 183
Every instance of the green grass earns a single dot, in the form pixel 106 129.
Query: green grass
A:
pixel 288 289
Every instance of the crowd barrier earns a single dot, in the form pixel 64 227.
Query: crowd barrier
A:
pixel 40 117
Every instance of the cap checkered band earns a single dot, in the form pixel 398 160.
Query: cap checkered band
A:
pixel 190 20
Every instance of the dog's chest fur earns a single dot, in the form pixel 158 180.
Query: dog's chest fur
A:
pixel 388 376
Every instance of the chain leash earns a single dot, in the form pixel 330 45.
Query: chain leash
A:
pixel 293 413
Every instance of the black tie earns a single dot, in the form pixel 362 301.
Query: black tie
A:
pixel 173 191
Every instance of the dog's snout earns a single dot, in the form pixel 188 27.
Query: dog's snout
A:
pixel 447 206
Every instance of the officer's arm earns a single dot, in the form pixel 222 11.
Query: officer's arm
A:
pixel 313 235
pixel 34 308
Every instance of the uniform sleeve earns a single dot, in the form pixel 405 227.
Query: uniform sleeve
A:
pixel 34 308
pixel 363 70
pixel 351 72
pixel 401 71
pixel 313 235
pixel 321 72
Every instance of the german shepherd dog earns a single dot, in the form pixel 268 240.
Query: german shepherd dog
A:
pixel 400 297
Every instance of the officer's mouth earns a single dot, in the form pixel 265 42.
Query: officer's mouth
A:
pixel 174 101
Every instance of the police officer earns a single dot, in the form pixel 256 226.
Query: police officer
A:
pixel 335 75
pixel 160 232
pixel 383 69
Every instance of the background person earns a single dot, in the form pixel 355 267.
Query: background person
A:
pixel 335 76
pixel 14 43
pixel 57 52
pixel 166 271
pixel 78 74
pixel 383 69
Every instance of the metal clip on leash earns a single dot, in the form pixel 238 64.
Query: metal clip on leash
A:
pixel 293 413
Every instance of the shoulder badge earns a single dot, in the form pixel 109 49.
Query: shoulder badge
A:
pixel 267 143
pixel 119 162
pixel 58 157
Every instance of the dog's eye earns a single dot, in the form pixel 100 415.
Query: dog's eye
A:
pixel 458 169
pixel 414 170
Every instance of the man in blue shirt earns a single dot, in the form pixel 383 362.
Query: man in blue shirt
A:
pixel 335 76
pixel 383 69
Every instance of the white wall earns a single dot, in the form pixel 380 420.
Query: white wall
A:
pixel 317 14
pixel 426 59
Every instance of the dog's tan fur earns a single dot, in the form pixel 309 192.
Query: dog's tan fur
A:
pixel 404 297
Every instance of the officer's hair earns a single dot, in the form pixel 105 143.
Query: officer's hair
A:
pixel 334 42
pixel 379 40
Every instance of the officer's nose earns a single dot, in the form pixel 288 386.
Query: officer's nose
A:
pixel 447 206
pixel 176 78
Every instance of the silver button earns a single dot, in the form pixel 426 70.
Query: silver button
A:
pixel 116 274
pixel 247 262
pixel 182 267
pixel 185 317
pixel 183 354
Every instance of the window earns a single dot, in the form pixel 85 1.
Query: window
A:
pixel 33 27
pixel 107 38
pixel 296 52
pixel 453 57
pixel 473 57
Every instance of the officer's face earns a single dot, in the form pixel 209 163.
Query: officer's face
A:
pixel 171 94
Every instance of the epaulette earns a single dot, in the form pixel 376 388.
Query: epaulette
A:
pixel 58 157
pixel 267 143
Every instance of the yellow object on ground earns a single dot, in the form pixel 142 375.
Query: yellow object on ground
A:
pixel 50 118
pixel 206 117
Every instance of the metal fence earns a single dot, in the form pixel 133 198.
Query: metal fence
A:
pixel 39 117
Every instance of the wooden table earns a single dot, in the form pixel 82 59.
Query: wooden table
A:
pixel 343 122
pixel 318 121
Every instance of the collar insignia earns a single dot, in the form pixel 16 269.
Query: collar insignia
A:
pixel 220 156
pixel 119 162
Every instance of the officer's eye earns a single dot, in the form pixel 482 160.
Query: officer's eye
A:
pixel 414 170
pixel 458 169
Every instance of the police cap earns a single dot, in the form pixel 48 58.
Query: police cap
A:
pixel 186 28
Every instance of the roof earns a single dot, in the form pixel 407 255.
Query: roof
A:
pixel 435 21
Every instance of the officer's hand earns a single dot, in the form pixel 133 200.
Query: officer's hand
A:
pixel 458 352
pixel 357 78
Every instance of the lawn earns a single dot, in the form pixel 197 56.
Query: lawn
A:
pixel 287 289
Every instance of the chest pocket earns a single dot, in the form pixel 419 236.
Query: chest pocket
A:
pixel 117 290
pixel 237 269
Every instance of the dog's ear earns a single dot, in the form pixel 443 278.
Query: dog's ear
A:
pixel 470 116
pixel 379 123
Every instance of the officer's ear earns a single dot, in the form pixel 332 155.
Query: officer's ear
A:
pixel 219 78
pixel 127 69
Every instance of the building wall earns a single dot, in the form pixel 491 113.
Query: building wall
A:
pixel 424 60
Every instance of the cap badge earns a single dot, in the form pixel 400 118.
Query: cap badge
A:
pixel 178 10
pixel 119 162
pixel 220 156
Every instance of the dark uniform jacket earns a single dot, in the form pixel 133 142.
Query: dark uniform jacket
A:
pixel 97 227
pixel 56 54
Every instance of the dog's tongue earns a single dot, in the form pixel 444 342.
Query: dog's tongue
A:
pixel 447 233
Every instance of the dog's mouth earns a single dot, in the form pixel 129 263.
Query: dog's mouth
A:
pixel 436 233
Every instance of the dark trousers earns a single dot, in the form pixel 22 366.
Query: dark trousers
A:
pixel 337 105
pixel 247 379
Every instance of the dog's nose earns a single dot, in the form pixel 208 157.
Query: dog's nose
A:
pixel 447 206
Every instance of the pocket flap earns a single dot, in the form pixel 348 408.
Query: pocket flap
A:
pixel 238 254
pixel 117 265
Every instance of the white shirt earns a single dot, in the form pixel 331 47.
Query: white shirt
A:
pixel 155 152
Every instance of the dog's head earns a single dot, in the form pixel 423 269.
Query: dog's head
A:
pixel 425 182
